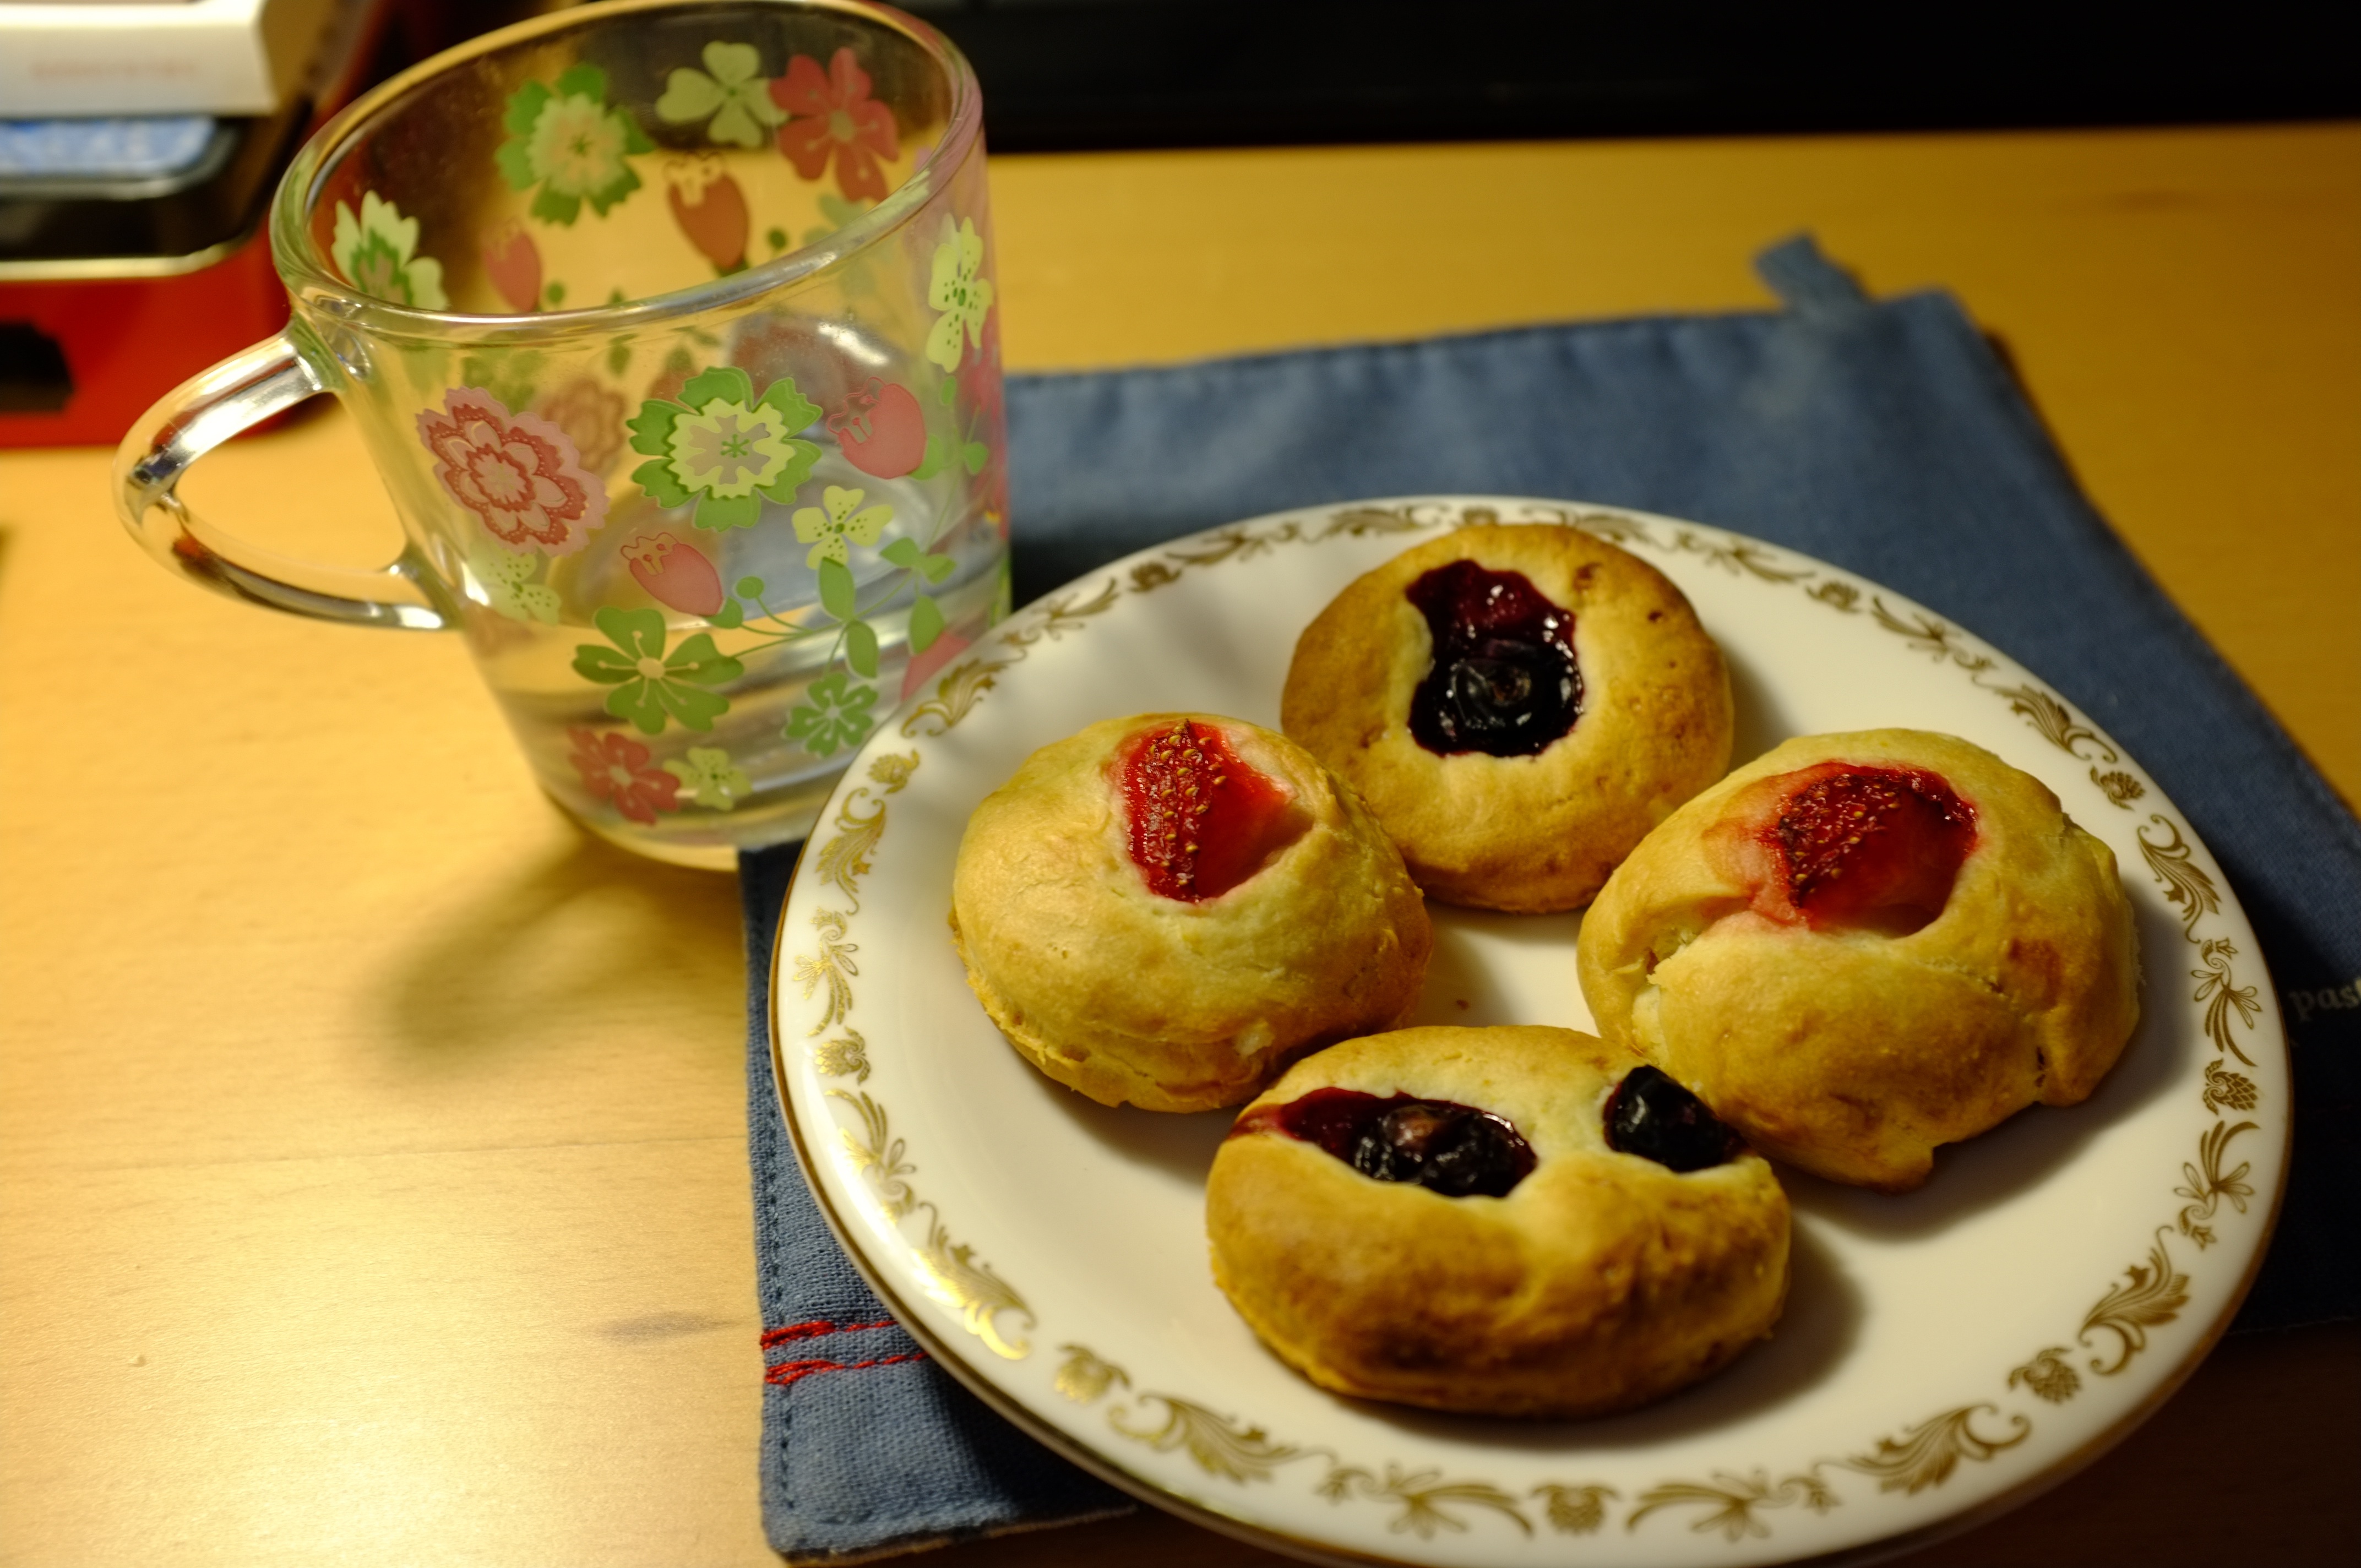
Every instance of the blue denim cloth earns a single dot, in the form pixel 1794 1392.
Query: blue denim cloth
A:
pixel 1885 436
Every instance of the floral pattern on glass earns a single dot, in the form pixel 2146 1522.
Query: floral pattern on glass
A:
pixel 675 575
pixel 836 717
pixel 591 414
pixel 839 522
pixel 713 780
pixel 731 94
pixel 957 287
pixel 880 428
pixel 724 448
pixel 615 768
pixel 651 686
pixel 980 436
pixel 566 141
pixel 709 208
pixel 831 116
pixel 519 474
pixel 377 251
pixel 505 578
pixel 512 262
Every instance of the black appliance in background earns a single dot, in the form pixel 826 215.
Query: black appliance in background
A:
pixel 1076 74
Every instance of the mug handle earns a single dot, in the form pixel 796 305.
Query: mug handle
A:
pixel 199 415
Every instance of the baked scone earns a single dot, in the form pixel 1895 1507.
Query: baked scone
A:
pixel 1859 947
pixel 1167 909
pixel 1517 704
pixel 1601 1279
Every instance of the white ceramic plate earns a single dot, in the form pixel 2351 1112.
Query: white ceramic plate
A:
pixel 1943 1355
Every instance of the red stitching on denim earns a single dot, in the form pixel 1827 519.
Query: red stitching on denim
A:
pixel 816 1328
pixel 788 1372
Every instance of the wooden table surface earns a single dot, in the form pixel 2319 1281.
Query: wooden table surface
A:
pixel 372 1157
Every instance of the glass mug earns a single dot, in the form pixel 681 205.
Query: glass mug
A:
pixel 670 327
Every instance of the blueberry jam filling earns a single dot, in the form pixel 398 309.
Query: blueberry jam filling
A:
pixel 1454 1150
pixel 1653 1117
pixel 1503 681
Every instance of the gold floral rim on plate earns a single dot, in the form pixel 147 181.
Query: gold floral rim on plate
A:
pixel 2199 1233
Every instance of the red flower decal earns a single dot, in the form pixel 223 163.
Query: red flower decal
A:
pixel 709 208
pixel 513 264
pixel 833 115
pixel 615 767
pixel 980 376
pixel 881 429
pixel 677 574
pixel 518 472
pixel 980 384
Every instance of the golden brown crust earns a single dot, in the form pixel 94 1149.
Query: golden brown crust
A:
pixel 1602 1281
pixel 1126 995
pixel 1850 1053
pixel 1524 834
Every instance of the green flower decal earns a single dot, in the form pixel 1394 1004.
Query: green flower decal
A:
pixel 506 578
pixel 957 290
pixel 378 253
pixel 837 214
pixel 844 519
pixel 513 376
pixel 651 686
pixel 724 447
pixel 710 778
pixel 737 100
pixel 571 145
pixel 837 716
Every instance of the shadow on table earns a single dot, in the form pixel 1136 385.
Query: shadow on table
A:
pixel 563 949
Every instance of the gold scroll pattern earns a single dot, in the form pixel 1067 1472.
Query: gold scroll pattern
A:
pixel 1421 1502
pixel 1241 543
pixel 1728 1501
pixel 949 1269
pixel 1425 1502
pixel 1923 1456
pixel 2151 1294
pixel 963 685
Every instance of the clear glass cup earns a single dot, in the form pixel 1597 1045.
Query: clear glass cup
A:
pixel 670 327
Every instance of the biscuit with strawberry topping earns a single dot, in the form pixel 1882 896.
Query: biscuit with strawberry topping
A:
pixel 1860 947
pixel 1167 909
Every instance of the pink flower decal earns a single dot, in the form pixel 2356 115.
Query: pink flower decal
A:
pixel 981 385
pixel 833 115
pixel 513 264
pixel 519 474
pixel 591 414
pixel 881 429
pixel 980 377
pixel 615 768
pixel 676 575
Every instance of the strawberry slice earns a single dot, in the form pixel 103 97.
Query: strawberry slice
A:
pixel 1202 821
pixel 1872 847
